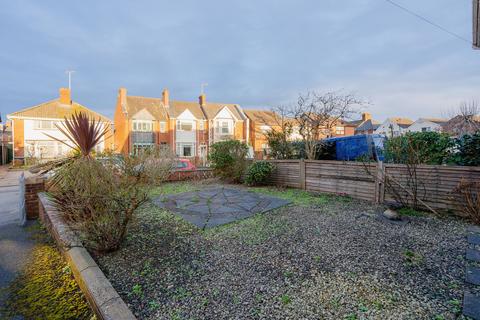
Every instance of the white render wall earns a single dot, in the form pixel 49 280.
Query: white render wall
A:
pixel 41 135
pixel 418 125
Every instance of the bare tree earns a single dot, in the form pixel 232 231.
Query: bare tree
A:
pixel 316 114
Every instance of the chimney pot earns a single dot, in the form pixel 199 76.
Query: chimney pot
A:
pixel 166 97
pixel 65 97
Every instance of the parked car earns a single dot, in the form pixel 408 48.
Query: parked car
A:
pixel 183 165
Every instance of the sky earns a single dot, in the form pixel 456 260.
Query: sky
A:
pixel 254 53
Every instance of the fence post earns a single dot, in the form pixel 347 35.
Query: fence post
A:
pixel 303 184
pixel 380 183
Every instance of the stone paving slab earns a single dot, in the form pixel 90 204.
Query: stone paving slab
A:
pixel 471 305
pixel 473 255
pixel 473 229
pixel 474 239
pixel 216 206
pixel 473 275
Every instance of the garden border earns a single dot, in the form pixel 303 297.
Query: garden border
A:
pixel 102 297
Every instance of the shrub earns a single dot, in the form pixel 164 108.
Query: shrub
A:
pixel 228 159
pixel 469 198
pixel 279 144
pixel 468 150
pixel 429 148
pixel 259 172
pixel 98 197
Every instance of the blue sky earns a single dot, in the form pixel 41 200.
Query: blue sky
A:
pixel 255 53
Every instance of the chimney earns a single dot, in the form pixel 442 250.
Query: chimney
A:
pixel 366 116
pixel 65 97
pixel 166 97
pixel 202 99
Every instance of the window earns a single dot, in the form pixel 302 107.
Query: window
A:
pixel 139 148
pixel 44 124
pixel 224 127
pixel 163 127
pixel 183 125
pixel 426 129
pixel 185 150
pixel 340 130
pixel 142 125
pixel 202 125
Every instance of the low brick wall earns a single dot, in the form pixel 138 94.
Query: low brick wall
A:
pixel 198 174
pixel 102 297
pixel 33 186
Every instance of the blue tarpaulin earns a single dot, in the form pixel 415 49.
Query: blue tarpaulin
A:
pixel 352 147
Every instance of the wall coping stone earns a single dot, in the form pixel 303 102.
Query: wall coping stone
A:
pixel 102 297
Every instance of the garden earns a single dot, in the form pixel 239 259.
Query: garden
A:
pixel 258 251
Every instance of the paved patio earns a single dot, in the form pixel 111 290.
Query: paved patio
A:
pixel 219 205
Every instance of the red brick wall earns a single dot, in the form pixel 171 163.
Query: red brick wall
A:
pixel 32 188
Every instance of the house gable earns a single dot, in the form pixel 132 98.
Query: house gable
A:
pixel 143 115
pixel 225 113
pixel 186 115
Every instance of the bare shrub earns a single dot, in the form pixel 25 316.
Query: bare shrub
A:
pixel 468 193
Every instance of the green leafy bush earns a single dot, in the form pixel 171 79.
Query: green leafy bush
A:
pixel 279 144
pixel 228 159
pixel 259 172
pixel 429 148
pixel 468 150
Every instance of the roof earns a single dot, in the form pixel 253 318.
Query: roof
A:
pixel 368 125
pixel 55 110
pixel 265 117
pixel 154 106
pixel 177 107
pixel 435 120
pixel 402 122
pixel 211 109
pixel 460 124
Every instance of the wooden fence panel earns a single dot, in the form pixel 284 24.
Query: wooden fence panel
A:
pixel 437 183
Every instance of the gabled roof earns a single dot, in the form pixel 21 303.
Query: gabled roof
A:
pixel 435 120
pixel 368 125
pixel 460 124
pixel 55 110
pixel 264 117
pixel 154 106
pixel 402 122
pixel 176 108
pixel 211 109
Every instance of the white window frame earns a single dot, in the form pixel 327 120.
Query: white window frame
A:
pixel 201 125
pixel 181 123
pixel 38 125
pixel 163 127
pixel 220 125
pixel 180 149
pixel 142 126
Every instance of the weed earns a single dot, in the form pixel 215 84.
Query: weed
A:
pixel 456 305
pixel 412 258
pixel 405 211
pixel 285 299
pixel 181 293
pixel 137 290
pixel 153 305
pixel 298 197
pixel 351 316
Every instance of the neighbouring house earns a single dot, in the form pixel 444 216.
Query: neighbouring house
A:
pixel 366 125
pixel 260 122
pixel 460 125
pixel 5 142
pixel 394 127
pixel 34 129
pixel 187 128
pixel 427 125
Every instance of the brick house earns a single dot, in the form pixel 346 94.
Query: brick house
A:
pixel 187 127
pixel 366 125
pixel 33 127
pixel 260 122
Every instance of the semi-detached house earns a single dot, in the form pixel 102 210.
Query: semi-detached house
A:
pixel 35 134
pixel 187 127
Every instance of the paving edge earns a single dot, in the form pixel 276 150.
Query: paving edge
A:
pixel 102 297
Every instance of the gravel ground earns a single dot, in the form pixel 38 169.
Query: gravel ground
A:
pixel 330 260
